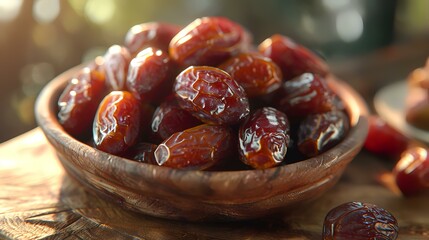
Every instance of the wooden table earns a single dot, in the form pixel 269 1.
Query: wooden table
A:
pixel 39 201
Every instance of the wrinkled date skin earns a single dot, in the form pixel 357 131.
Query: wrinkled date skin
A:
pixel 207 41
pixel 211 95
pixel 359 221
pixel 196 148
pixel 292 58
pixel 117 122
pixel 384 140
pixel 151 34
pixel 116 61
pixel 318 133
pixel 150 75
pixel 79 101
pixel 142 152
pixel 412 171
pixel 264 138
pixel 304 95
pixel 169 118
pixel 182 98
pixel 258 75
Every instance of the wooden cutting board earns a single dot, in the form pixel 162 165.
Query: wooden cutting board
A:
pixel 39 201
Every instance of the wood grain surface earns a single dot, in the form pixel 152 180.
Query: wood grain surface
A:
pixel 39 201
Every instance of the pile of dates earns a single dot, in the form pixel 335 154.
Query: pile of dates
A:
pixel 203 96
pixel 411 170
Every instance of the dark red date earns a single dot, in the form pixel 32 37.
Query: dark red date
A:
pixel 169 118
pixel 383 139
pixel 151 34
pixel 196 148
pixel 359 221
pixel 258 75
pixel 304 95
pixel 208 41
pixel 142 152
pixel 292 58
pixel 116 61
pixel 318 133
pixel 79 101
pixel 117 122
pixel 412 171
pixel 150 75
pixel 211 95
pixel 264 138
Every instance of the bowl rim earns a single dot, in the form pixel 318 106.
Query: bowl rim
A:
pixel 356 108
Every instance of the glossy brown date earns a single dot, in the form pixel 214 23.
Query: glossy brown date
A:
pixel 79 101
pixel 150 75
pixel 359 221
pixel 117 122
pixel 169 118
pixel 208 41
pixel 258 75
pixel 142 152
pixel 319 132
pixel 292 58
pixel 116 61
pixel 196 148
pixel 151 34
pixel 304 95
pixel 264 138
pixel 412 171
pixel 211 95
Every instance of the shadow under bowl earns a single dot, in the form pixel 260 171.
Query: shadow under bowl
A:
pixel 202 195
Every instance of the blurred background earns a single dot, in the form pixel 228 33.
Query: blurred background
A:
pixel 41 38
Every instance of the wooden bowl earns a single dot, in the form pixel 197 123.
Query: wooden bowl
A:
pixel 200 195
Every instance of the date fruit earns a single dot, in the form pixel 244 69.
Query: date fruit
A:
pixel 319 132
pixel 79 101
pixel 417 98
pixel 196 148
pixel 151 34
pixel 384 140
pixel 292 58
pixel 359 221
pixel 258 75
pixel 412 171
pixel 142 152
pixel 264 138
pixel 116 61
pixel 211 95
pixel 117 122
pixel 304 95
pixel 208 41
pixel 150 75
pixel 169 118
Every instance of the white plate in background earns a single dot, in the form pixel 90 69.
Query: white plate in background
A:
pixel 389 102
